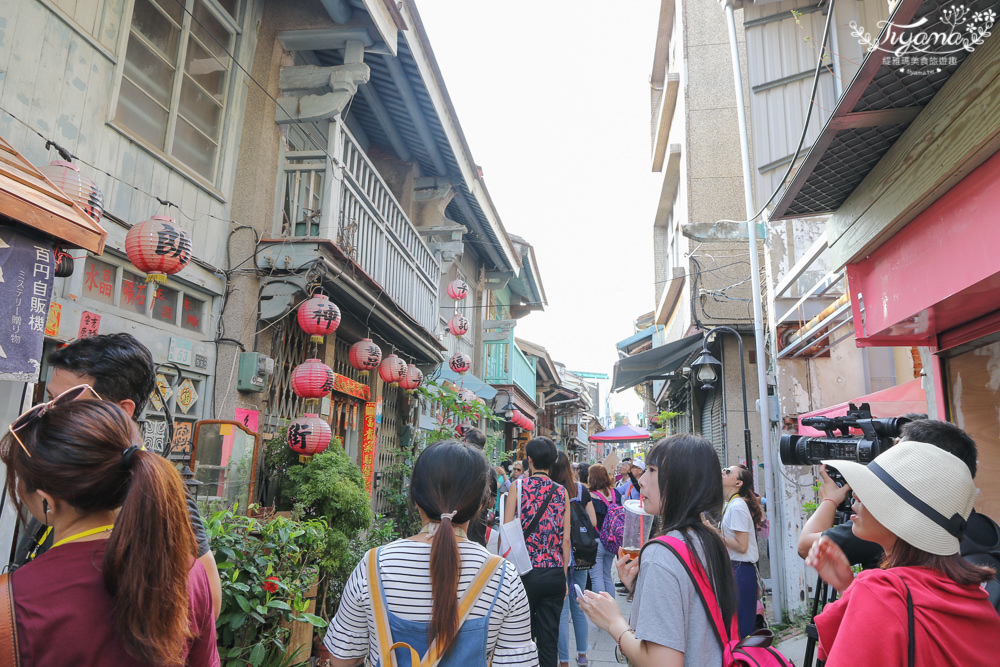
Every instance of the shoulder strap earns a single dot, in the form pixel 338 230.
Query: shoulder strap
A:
pixel 911 643
pixel 541 511
pixel 387 656
pixel 465 605
pixel 10 653
pixel 702 585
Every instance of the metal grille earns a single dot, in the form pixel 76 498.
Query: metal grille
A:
pixel 850 156
pixel 393 403
pixel 291 346
pixel 711 422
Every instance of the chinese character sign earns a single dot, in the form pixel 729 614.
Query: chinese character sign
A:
pixel 90 324
pixel 26 274
pixel 369 442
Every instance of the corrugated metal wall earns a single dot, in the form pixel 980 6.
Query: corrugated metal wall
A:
pixel 782 51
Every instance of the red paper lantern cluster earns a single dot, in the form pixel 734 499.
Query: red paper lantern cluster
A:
pixel 309 435
pixel 460 363
pixel 312 379
pixel 521 421
pixel 365 356
pixel 458 289
pixel 392 369
pixel 411 379
pixel 318 317
pixel 158 247
pixel 81 190
pixel 458 324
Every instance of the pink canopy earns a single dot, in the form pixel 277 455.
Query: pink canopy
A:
pixel 624 433
pixel 892 402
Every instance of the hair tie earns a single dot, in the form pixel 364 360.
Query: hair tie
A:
pixel 448 515
pixel 127 456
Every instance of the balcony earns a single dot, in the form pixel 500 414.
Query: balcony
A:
pixel 507 365
pixel 370 226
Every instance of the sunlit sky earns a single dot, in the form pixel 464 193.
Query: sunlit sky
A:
pixel 554 100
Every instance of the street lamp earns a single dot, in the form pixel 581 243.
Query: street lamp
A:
pixel 706 368
pixel 508 410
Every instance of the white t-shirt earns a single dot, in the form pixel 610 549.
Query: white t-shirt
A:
pixel 736 518
pixel 405 568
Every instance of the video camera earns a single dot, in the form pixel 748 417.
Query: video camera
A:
pixel 877 436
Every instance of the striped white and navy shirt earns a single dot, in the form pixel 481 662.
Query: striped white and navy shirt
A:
pixel 405 566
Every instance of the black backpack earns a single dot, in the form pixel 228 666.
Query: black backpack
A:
pixel 583 534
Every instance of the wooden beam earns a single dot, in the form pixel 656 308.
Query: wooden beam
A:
pixel 877 118
pixel 958 130
pixel 671 182
pixel 667 105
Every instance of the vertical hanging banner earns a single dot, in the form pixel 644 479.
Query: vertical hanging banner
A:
pixel 26 274
pixel 369 442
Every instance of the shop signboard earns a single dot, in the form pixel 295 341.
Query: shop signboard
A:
pixel 26 273
pixel 369 442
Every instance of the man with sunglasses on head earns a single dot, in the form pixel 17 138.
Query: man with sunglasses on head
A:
pixel 120 370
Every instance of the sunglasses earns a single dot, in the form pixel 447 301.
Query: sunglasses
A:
pixel 68 396
pixel 727 471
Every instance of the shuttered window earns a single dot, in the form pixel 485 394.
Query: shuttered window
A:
pixel 711 422
pixel 176 77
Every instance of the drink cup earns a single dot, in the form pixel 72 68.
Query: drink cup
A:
pixel 638 524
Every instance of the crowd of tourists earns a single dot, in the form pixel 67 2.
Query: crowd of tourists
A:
pixel 505 556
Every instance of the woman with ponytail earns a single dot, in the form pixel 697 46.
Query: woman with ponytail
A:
pixel 121 585
pixel 413 592
pixel 741 517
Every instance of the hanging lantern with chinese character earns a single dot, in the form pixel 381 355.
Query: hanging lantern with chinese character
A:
pixel 460 363
pixel 462 429
pixel 308 435
pixel 392 369
pixel 458 289
pixel 365 356
pixel 312 379
pixel 158 247
pixel 318 317
pixel 80 189
pixel 467 396
pixel 458 324
pixel 412 379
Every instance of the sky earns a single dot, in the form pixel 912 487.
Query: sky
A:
pixel 554 100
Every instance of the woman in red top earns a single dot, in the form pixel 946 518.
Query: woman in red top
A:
pixel 121 585
pixel 548 545
pixel 913 500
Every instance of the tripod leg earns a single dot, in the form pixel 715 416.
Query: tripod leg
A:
pixel 822 589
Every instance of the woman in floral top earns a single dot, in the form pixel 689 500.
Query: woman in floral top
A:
pixel 548 544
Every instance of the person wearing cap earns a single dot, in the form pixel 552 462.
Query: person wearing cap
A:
pixel 913 500
pixel 629 488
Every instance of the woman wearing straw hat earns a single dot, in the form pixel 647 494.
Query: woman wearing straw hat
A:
pixel 913 500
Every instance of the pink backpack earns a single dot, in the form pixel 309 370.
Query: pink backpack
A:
pixel 751 651
pixel 613 528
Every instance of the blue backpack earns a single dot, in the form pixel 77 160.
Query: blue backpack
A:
pixel 407 640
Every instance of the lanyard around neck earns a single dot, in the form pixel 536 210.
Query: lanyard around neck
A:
pixel 726 506
pixel 86 533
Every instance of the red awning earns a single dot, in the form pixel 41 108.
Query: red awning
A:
pixel 892 402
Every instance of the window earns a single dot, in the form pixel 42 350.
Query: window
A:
pixel 176 76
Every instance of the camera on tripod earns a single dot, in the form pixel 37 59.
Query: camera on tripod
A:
pixel 877 435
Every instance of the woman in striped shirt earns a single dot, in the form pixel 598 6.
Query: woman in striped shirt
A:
pixel 422 579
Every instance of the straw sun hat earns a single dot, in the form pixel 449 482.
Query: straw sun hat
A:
pixel 919 492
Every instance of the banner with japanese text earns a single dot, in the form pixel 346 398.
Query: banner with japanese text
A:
pixel 26 273
pixel 369 443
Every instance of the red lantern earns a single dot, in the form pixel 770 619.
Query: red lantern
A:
pixel 460 363
pixel 411 379
pixel 309 435
pixel 365 356
pixel 312 379
pixel 458 324
pixel 466 395
pixel 516 418
pixel 462 429
pixel 158 247
pixel 529 425
pixel 392 369
pixel 458 289
pixel 80 189
pixel 318 317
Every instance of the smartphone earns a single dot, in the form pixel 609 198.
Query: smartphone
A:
pixel 579 591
